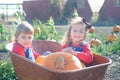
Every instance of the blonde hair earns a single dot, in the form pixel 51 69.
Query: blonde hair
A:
pixel 24 27
pixel 77 20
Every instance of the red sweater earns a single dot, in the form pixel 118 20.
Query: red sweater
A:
pixel 85 55
pixel 18 49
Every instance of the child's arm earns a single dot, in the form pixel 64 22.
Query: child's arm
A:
pixel 86 55
pixel 36 55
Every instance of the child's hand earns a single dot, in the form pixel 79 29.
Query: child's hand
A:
pixel 69 50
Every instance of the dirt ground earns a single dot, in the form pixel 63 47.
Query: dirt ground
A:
pixel 113 71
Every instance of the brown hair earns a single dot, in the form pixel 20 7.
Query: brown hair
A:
pixel 77 20
pixel 24 27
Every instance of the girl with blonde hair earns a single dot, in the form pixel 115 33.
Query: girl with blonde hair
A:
pixel 74 42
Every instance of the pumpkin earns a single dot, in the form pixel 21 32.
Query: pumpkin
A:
pixel 62 61
pixel 116 28
pixel 92 29
pixel 37 30
pixel 112 37
pixel 95 42
pixel 40 59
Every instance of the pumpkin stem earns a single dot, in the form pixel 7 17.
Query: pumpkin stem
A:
pixel 60 63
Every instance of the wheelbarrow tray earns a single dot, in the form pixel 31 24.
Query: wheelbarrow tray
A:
pixel 28 70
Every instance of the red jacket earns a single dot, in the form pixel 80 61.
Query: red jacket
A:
pixel 85 55
pixel 18 49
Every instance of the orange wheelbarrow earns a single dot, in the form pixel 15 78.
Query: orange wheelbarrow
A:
pixel 28 70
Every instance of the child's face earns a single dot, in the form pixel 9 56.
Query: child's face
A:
pixel 77 32
pixel 25 39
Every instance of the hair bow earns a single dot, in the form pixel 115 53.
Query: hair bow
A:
pixel 88 25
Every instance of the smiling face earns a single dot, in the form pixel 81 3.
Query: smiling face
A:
pixel 77 32
pixel 24 34
pixel 25 39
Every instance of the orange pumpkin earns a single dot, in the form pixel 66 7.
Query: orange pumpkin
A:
pixel 40 59
pixel 116 28
pixel 95 41
pixel 62 61
pixel 112 37
pixel 92 29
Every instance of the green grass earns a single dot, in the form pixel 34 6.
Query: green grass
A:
pixel 108 47
pixel 6 70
